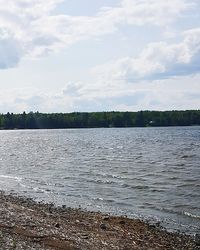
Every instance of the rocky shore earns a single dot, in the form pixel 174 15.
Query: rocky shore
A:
pixel 25 224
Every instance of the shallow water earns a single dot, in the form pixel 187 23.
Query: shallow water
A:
pixel 150 173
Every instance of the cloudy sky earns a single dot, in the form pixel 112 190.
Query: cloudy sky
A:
pixel 99 55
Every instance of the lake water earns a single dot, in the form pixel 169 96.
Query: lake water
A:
pixel 150 173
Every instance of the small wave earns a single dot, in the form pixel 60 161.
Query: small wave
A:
pixel 98 199
pixel 11 177
pixel 39 190
pixel 67 177
pixel 182 205
pixel 173 178
pixel 161 183
pixel 140 187
pixel 104 200
pixel 168 210
pixel 158 190
pixel 180 165
pixel 58 185
pixel 188 185
pixel 101 181
pixel 109 176
pixel 192 215
pixel 124 185
pixel 187 156
pixel 194 179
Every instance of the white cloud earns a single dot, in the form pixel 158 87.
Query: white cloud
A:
pixel 157 61
pixel 140 12
pixel 72 89
pixel 10 52
pixel 32 30
pixel 178 93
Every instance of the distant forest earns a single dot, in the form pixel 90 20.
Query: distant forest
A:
pixel 99 119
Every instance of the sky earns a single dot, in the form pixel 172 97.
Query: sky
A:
pixel 92 55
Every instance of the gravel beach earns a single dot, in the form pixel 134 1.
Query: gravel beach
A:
pixel 26 224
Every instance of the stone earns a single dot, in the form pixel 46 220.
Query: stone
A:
pixel 197 239
pixel 122 222
pixel 103 226
pixel 105 218
pixel 57 225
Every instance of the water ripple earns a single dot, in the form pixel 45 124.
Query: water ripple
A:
pixel 146 172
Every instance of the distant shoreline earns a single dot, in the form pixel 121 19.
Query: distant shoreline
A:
pixel 26 223
pixel 38 129
pixel 99 119
pixel 172 126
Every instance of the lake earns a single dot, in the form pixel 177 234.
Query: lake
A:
pixel 148 173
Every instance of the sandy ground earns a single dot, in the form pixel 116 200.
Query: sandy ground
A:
pixel 25 224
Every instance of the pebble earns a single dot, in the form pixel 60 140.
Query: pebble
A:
pixel 197 239
pixel 57 225
pixel 105 218
pixel 100 236
pixel 122 222
pixel 103 226
pixel 85 237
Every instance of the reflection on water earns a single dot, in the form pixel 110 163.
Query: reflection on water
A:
pixel 151 173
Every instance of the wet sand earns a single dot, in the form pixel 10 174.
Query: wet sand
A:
pixel 26 224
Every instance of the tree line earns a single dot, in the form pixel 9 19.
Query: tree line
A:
pixel 99 119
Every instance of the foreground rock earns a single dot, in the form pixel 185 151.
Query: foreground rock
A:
pixel 25 224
